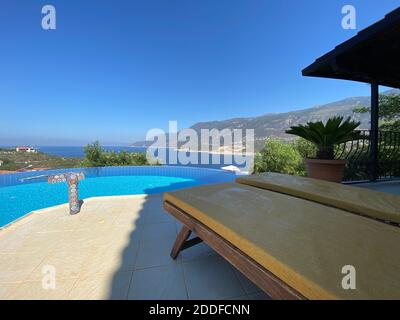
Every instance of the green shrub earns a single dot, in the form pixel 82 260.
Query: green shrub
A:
pixel 389 112
pixel 280 157
pixel 140 159
pixel 306 148
pixel 8 165
pixel 96 156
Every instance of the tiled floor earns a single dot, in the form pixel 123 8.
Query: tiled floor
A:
pixel 116 248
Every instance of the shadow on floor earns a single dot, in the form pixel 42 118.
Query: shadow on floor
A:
pixel 198 273
pixel 151 240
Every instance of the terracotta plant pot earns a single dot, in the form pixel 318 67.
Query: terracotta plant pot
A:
pixel 328 170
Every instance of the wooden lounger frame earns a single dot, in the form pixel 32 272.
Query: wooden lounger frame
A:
pixel 264 279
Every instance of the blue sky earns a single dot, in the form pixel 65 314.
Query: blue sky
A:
pixel 114 69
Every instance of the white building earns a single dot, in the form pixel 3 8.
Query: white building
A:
pixel 1 162
pixel 25 149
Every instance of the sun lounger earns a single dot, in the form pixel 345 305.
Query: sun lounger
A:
pixel 294 244
pixel 377 205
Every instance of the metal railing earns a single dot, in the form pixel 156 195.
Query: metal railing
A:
pixel 358 154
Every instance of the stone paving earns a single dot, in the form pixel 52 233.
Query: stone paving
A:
pixel 115 248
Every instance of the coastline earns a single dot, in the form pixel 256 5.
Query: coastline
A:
pixel 233 153
pixel 69 157
pixel 226 152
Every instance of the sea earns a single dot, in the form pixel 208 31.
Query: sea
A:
pixel 215 161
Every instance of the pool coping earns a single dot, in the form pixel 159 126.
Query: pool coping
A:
pixel 146 166
pixel 52 171
pixel 44 210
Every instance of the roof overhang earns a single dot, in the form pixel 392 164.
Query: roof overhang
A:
pixel 372 56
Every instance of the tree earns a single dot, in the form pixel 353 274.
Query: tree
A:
pixel 389 111
pixel 280 157
pixel 306 148
pixel 94 155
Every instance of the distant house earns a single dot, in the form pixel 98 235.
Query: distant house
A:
pixel 1 162
pixel 25 149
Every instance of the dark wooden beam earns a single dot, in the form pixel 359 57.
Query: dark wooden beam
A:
pixel 370 55
pixel 374 130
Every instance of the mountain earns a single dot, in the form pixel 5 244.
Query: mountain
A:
pixel 275 124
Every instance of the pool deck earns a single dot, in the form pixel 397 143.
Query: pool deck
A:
pixel 115 248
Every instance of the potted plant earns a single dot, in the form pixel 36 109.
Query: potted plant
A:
pixel 326 137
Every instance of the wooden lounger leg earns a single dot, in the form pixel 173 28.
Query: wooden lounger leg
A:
pixel 182 242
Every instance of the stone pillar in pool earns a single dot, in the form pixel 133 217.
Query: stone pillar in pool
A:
pixel 72 178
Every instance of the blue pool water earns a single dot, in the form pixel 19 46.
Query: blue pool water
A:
pixel 20 195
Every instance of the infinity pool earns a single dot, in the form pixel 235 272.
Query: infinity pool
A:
pixel 21 193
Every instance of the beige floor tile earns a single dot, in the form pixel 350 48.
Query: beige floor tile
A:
pixel 158 231
pixel 35 219
pixel 102 287
pixel 126 234
pixel 199 251
pixel 163 283
pixel 17 267
pixel 34 291
pixel 156 215
pixel 95 252
pixel 65 222
pixel 155 253
pixel 7 289
pixel 43 243
pixel 67 264
pixel 85 238
pixel 58 224
pixel 211 278
pixel 13 240
pixel 90 221
pixel 128 218
pixel 150 212
pixel 111 259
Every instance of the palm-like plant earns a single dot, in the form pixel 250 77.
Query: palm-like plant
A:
pixel 327 136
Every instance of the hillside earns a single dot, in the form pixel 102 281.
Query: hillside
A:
pixel 13 161
pixel 275 124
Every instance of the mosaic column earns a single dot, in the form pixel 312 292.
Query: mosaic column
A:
pixel 72 178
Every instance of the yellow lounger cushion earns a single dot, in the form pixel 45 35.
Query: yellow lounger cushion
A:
pixel 303 243
pixel 366 202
